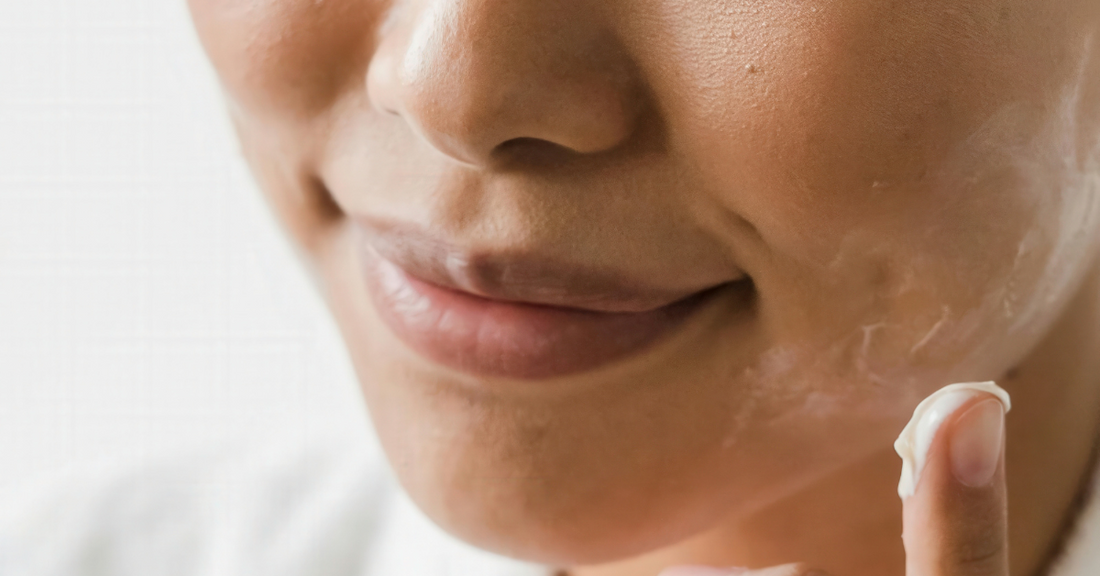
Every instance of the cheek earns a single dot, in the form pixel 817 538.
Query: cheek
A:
pixel 288 58
pixel 915 209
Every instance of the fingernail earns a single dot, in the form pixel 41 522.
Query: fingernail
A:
pixel 702 571
pixel 976 443
pixel 915 440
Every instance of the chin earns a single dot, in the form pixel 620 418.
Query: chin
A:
pixel 604 468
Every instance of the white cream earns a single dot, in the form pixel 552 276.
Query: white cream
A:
pixel 913 442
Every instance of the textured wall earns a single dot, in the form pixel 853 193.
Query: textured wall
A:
pixel 147 301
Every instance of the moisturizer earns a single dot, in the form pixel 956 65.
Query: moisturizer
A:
pixel 913 443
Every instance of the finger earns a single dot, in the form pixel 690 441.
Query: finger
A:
pixel 784 570
pixel 956 520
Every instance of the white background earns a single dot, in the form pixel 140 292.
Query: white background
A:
pixel 148 303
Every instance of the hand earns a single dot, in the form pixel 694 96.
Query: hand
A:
pixel 956 522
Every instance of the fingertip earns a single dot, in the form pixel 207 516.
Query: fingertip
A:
pixel 976 444
pixel 955 521
pixel 919 435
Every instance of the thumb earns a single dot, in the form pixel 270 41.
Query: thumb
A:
pixel 953 483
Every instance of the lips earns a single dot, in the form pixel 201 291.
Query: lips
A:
pixel 512 316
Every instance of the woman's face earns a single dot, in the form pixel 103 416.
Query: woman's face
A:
pixel 722 247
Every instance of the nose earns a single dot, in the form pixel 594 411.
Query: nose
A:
pixel 475 77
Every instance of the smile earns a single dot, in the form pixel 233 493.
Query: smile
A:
pixel 525 330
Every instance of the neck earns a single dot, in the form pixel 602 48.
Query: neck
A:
pixel 850 522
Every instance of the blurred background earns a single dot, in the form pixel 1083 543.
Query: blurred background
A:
pixel 148 303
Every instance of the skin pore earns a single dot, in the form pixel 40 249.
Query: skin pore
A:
pixel 910 188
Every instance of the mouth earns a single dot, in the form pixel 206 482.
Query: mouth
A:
pixel 514 317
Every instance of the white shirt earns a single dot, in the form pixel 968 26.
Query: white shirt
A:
pixel 330 509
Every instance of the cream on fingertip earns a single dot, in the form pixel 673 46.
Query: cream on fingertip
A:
pixel 916 438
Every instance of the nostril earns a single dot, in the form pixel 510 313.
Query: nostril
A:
pixel 524 142
pixel 530 148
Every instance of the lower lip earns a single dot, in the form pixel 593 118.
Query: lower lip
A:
pixel 493 338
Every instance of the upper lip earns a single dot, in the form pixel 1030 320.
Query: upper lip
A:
pixel 516 276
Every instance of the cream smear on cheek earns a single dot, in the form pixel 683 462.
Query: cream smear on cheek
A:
pixel 913 442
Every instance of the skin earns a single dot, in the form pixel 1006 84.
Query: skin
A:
pixel 956 520
pixel 911 186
